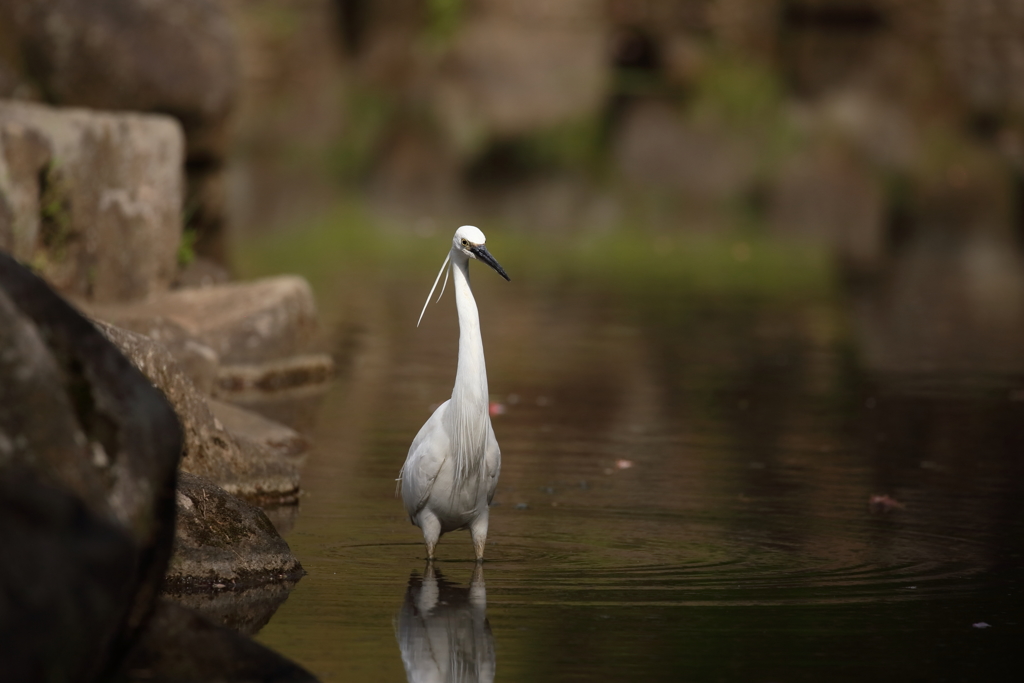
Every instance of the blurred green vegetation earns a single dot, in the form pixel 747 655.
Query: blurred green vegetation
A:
pixel 741 93
pixel 55 231
pixel 187 247
pixel 748 100
pixel 278 21
pixel 443 20
pixel 628 259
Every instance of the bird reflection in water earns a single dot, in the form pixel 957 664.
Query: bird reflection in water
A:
pixel 442 630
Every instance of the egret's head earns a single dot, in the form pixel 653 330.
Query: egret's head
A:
pixel 470 241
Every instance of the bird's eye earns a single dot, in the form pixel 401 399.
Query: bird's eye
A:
pixel 464 241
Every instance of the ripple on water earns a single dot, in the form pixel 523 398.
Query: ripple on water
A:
pixel 656 557
pixel 710 564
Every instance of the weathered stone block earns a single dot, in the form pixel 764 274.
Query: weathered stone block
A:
pixel 93 199
pixel 279 439
pixel 243 322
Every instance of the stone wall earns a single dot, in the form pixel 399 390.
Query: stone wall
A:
pixel 175 57
pixel 92 199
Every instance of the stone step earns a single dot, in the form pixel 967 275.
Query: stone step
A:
pixel 288 390
pixel 242 322
pixel 307 370
pixel 281 440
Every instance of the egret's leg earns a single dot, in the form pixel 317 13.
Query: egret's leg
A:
pixel 430 592
pixel 478 590
pixel 431 527
pixel 478 531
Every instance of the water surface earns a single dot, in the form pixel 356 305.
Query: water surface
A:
pixel 686 493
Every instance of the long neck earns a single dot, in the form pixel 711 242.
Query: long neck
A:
pixel 468 410
pixel 471 378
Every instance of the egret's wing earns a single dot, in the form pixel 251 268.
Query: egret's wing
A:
pixel 426 455
pixel 492 462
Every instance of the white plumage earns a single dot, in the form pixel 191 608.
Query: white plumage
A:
pixel 450 474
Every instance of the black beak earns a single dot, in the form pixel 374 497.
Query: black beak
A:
pixel 482 254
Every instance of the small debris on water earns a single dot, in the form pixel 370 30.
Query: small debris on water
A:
pixel 883 504
pixel 981 624
pixel 219 585
pixel 623 464
pixel 522 506
pixel 497 408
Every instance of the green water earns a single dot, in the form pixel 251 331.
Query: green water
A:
pixel 685 485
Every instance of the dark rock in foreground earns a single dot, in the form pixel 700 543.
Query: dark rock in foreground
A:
pixel 181 645
pixel 221 540
pixel 89 451
pixel 88 455
pixel 65 581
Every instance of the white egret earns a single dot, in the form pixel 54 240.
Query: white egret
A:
pixel 450 474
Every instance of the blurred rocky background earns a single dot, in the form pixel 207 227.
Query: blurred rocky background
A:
pixel 859 124
pixel 854 123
